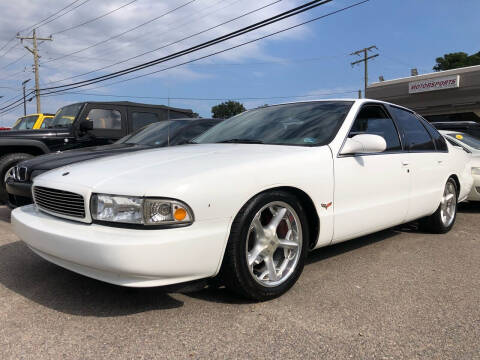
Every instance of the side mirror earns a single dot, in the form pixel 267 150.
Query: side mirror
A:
pixel 364 144
pixel 86 125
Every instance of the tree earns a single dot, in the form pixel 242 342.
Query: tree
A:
pixel 456 60
pixel 227 109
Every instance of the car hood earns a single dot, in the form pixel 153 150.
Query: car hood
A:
pixel 59 159
pixel 146 172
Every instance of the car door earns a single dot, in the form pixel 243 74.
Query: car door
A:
pixel 426 164
pixel 141 117
pixel 371 190
pixel 109 124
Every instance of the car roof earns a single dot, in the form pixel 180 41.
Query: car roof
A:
pixel 130 103
pixel 356 100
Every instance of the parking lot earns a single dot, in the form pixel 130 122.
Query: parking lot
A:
pixel 394 294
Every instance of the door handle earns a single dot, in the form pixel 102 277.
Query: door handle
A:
pixel 405 163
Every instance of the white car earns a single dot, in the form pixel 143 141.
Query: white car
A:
pixel 471 145
pixel 249 200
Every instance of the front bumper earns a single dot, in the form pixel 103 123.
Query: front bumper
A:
pixel 127 257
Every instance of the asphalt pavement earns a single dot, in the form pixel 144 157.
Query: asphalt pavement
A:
pixel 396 294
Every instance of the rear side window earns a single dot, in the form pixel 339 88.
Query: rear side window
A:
pixel 416 137
pixel 373 119
pixel 439 140
pixel 105 119
pixel 141 119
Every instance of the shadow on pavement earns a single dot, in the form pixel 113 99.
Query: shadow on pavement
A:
pixel 54 287
pixel 469 207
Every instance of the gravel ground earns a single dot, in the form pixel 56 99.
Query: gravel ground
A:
pixel 397 294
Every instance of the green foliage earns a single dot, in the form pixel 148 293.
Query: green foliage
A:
pixel 456 60
pixel 227 109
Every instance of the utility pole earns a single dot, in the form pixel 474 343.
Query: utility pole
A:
pixel 365 61
pixel 34 51
pixel 24 97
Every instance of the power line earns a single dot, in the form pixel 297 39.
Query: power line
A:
pixel 13 62
pixel 205 99
pixel 65 13
pixel 292 12
pixel 254 26
pixel 34 25
pixel 94 19
pixel 122 33
pixel 170 44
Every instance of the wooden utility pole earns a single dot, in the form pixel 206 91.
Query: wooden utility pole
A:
pixel 34 52
pixel 365 61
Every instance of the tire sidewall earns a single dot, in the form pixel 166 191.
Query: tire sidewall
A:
pixel 239 242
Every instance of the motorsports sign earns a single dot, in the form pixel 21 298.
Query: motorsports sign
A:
pixel 439 83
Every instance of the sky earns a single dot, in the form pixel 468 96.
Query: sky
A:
pixel 311 61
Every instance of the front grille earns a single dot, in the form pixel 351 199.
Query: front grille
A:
pixel 59 202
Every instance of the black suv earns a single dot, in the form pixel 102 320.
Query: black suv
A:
pixel 77 126
pixel 165 133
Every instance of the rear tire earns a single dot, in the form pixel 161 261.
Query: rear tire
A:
pixel 6 163
pixel 442 220
pixel 267 247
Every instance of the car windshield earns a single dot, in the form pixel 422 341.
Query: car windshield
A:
pixel 65 116
pixel 302 124
pixel 157 134
pixel 25 122
pixel 467 139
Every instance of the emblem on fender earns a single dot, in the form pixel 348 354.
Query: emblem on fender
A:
pixel 326 206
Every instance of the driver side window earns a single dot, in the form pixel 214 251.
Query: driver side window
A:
pixel 374 120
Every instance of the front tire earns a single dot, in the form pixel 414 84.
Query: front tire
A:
pixel 7 162
pixel 267 247
pixel 442 220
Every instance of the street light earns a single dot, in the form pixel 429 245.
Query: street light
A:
pixel 24 102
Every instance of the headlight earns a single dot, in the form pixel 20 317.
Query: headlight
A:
pixel 139 210
pixel 475 170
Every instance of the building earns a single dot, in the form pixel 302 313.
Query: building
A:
pixel 441 96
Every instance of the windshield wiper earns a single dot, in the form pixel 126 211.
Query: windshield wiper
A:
pixel 240 141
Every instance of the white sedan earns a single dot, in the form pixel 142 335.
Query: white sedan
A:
pixel 471 145
pixel 249 199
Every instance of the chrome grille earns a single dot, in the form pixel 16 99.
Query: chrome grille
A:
pixel 59 202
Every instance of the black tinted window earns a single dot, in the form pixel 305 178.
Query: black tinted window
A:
pixel 440 142
pixel 141 119
pixel 416 137
pixel 374 120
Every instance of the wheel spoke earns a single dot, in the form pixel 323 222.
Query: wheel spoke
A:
pixel 254 254
pixel 287 244
pixel 449 197
pixel 277 218
pixel 272 272
pixel 257 225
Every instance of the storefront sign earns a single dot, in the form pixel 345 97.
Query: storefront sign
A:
pixel 441 83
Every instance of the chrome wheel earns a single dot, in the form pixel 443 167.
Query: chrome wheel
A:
pixel 8 174
pixel 448 205
pixel 274 244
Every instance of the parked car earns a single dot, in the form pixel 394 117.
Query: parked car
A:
pixel 249 199
pixel 471 145
pixel 77 126
pixel 164 133
pixel 469 127
pixel 3 128
pixel 32 122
